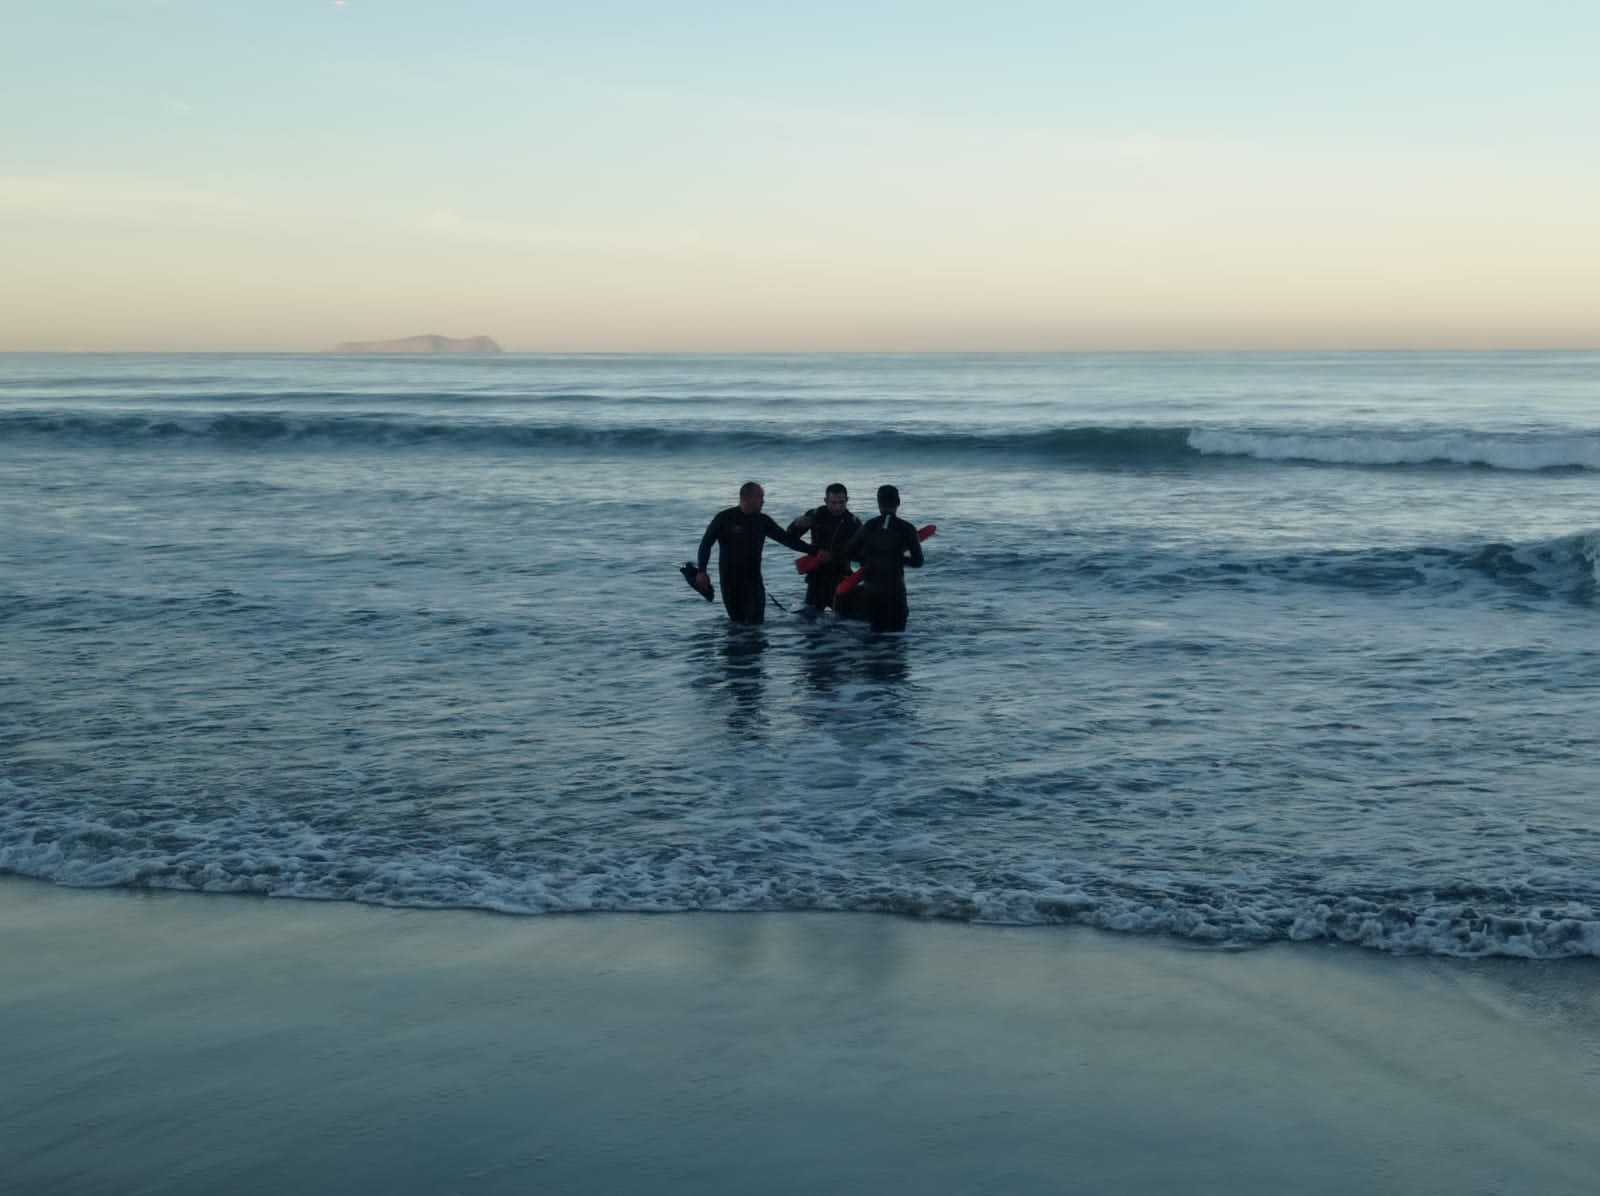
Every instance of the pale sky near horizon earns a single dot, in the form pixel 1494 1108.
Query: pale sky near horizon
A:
pixel 619 175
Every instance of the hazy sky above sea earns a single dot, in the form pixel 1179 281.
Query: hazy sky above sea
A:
pixel 655 175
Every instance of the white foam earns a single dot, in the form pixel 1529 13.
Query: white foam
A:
pixel 786 867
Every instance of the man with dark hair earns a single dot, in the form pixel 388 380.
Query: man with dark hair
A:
pixel 739 532
pixel 831 526
pixel 886 546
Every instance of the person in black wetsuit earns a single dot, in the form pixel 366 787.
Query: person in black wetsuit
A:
pixel 886 546
pixel 831 526
pixel 739 532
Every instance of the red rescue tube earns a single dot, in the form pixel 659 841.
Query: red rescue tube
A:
pixel 854 579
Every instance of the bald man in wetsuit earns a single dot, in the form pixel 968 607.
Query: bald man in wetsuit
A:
pixel 739 533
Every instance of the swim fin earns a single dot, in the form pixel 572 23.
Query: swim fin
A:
pixel 690 573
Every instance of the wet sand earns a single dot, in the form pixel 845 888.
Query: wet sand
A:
pixel 176 1043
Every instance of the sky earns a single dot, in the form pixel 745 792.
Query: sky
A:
pixel 671 175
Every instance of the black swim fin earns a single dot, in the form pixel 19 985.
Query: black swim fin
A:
pixel 690 573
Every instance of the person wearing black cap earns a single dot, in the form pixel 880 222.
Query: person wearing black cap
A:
pixel 886 546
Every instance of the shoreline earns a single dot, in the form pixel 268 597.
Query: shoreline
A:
pixel 176 1042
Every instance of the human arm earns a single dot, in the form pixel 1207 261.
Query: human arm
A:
pixel 784 536
pixel 713 529
pixel 853 546
pixel 913 543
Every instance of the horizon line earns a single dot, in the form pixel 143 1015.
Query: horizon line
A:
pixel 812 352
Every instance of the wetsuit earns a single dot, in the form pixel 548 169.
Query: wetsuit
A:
pixel 830 533
pixel 739 538
pixel 886 545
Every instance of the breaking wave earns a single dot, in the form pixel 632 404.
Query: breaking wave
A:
pixel 1565 566
pixel 1089 445
pixel 281 858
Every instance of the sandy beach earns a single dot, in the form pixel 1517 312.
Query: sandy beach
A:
pixel 174 1043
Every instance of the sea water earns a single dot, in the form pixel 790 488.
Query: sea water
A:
pixel 1238 648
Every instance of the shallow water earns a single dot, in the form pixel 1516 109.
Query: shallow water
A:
pixel 1233 648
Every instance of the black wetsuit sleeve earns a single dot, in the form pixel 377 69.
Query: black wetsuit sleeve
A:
pixel 798 531
pixel 913 547
pixel 852 550
pixel 713 530
pixel 784 536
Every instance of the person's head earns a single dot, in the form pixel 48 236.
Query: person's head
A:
pixel 888 499
pixel 751 498
pixel 836 498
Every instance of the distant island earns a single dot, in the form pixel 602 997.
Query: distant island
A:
pixel 429 343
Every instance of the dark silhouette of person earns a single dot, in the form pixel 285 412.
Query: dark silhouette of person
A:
pixel 831 525
pixel 738 534
pixel 886 547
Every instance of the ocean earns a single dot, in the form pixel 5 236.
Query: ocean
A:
pixel 1234 648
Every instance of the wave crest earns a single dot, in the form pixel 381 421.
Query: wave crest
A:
pixel 1523 452
pixel 1566 566
pixel 1087 445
